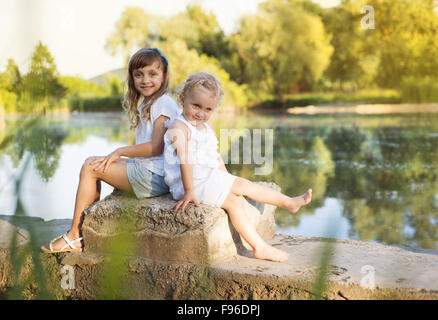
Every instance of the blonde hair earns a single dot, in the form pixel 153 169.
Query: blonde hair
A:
pixel 205 80
pixel 142 58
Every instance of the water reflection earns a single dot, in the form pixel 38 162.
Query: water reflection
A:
pixel 43 143
pixel 384 176
pixel 376 176
pixel 57 146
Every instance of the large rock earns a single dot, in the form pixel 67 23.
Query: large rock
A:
pixel 201 234
pixel 390 272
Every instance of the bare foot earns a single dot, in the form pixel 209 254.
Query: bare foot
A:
pixel 270 253
pixel 297 202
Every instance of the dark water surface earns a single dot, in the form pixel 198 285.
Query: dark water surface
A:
pixel 374 177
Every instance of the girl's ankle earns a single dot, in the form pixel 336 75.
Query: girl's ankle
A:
pixel 259 247
pixel 73 234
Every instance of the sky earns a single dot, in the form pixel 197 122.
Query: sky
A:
pixel 75 31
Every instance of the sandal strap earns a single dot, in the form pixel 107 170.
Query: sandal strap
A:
pixel 67 240
pixel 51 241
pixel 69 243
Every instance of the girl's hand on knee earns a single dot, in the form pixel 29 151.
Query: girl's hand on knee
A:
pixel 93 160
pixel 105 162
pixel 189 196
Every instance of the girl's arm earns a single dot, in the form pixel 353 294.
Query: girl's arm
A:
pixel 147 149
pixel 180 136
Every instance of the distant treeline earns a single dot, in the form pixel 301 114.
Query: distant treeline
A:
pixel 290 52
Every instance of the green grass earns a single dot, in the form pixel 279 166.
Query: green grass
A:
pixel 335 97
pixel 98 104
pixel 420 90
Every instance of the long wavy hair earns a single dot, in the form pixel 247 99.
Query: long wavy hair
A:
pixel 132 98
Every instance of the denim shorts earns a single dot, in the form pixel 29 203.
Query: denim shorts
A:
pixel 145 183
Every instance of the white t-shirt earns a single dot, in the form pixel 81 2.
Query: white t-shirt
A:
pixel 165 106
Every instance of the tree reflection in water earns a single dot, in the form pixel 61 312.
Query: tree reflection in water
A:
pixel 385 176
pixel 382 169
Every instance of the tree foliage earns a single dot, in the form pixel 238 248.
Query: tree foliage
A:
pixel 9 86
pixel 41 82
pixel 347 39
pixel 281 45
pixel 285 47
pixel 405 40
pixel 132 30
pixel 189 61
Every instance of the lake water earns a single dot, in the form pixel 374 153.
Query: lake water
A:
pixel 374 177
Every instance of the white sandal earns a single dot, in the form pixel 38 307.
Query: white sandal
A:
pixel 69 247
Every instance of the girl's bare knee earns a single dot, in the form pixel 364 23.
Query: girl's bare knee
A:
pixel 239 185
pixel 228 201
pixel 231 201
pixel 87 168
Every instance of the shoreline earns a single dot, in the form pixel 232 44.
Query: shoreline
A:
pixel 356 108
pixel 365 108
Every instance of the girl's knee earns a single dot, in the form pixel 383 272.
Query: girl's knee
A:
pixel 230 201
pixel 87 167
pixel 239 185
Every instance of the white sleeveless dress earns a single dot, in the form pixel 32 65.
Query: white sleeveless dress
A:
pixel 211 185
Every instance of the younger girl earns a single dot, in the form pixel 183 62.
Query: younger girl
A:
pixel 143 174
pixel 196 173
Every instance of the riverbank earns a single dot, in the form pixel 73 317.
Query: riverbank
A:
pixel 365 109
pixel 336 97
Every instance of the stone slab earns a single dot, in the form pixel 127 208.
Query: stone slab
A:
pixel 201 234
pixel 399 272
pixel 361 268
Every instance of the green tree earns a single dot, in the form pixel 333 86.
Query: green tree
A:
pixel 179 27
pixel 14 76
pixel 189 61
pixel 42 82
pixel 8 85
pixel 406 37
pixel 77 86
pixel 198 29
pixel 212 40
pixel 115 86
pixel 347 38
pixel 133 29
pixel 281 45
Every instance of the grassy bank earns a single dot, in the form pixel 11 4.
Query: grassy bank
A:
pixel 411 93
pixel 97 104
pixel 383 96
pixel 113 103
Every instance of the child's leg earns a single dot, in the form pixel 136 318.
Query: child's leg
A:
pixel 89 192
pixel 267 195
pixel 236 211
